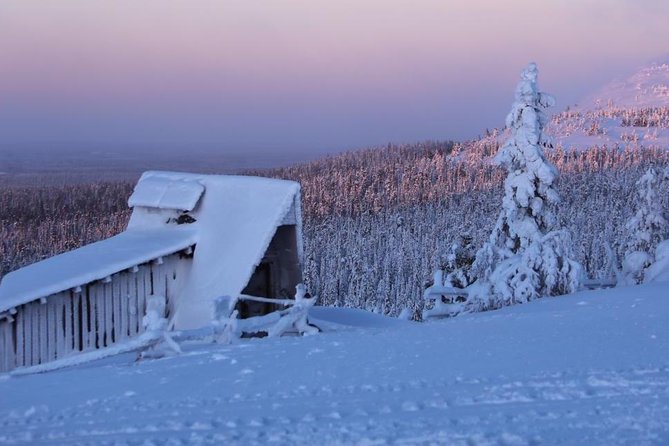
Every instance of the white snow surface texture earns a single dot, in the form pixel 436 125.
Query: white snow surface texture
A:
pixel 590 368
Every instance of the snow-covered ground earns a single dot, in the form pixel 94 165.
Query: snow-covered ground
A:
pixel 590 368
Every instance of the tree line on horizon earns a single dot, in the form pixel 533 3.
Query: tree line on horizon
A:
pixel 377 222
pixel 370 242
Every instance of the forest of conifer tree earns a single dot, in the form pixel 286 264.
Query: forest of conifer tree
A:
pixel 377 221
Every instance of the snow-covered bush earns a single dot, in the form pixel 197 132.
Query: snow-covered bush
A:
pixel 645 229
pixel 527 255
pixel 658 271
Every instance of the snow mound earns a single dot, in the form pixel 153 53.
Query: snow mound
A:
pixel 352 317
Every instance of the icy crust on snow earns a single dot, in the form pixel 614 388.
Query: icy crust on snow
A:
pixel 165 193
pixel 236 219
pixel 91 262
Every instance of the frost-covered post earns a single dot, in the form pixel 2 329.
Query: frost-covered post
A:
pixel 225 320
pixel 155 326
pixel 646 228
pixel 527 254
pixel 297 316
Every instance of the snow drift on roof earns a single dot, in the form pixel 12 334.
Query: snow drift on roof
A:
pixel 164 193
pixel 235 222
pixel 91 262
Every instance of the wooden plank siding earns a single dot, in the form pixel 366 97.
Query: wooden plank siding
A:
pixel 7 349
pixel 98 315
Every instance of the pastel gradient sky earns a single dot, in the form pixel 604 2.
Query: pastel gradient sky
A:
pixel 301 74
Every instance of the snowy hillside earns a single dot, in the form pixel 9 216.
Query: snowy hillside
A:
pixel 630 113
pixel 590 368
pixel 648 87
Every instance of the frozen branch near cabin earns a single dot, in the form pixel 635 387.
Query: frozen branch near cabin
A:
pixel 226 329
pixel 297 317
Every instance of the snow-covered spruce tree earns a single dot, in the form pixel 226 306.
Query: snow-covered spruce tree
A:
pixel 646 229
pixel 458 263
pixel 527 255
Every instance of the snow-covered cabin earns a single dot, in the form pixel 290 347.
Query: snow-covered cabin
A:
pixel 191 238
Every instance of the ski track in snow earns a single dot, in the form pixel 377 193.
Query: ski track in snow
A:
pixel 406 384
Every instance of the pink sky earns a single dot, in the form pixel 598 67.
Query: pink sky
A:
pixel 301 74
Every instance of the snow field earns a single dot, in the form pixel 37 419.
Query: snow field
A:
pixel 589 368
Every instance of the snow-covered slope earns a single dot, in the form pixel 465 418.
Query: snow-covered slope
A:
pixel 590 368
pixel 624 113
pixel 647 87
pixel 630 113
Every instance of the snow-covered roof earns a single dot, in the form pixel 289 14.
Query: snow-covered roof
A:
pixel 236 219
pixel 91 262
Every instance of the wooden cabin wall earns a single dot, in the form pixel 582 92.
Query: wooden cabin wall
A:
pixel 102 314
pixel 289 272
pixel 277 274
pixel 6 345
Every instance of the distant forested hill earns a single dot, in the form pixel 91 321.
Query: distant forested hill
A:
pixel 377 221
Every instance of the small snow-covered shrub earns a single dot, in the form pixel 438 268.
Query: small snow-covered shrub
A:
pixel 634 267
pixel 658 271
